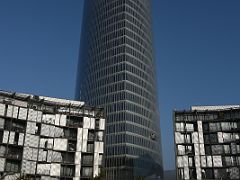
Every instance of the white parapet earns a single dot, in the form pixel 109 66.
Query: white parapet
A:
pixel 204 108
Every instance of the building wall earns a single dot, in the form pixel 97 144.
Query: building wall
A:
pixel 46 139
pixel 207 144
pixel 117 71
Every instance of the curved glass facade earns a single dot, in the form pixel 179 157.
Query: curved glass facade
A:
pixel 117 71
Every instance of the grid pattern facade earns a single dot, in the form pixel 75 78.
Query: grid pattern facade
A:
pixel 49 139
pixel 117 71
pixel 207 143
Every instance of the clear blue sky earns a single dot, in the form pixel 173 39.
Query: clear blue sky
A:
pixel 197 45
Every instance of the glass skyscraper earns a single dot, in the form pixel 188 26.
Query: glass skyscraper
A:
pixel 117 71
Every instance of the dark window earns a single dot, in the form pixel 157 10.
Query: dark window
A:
pixel 90 147
pixel 87 171
pixel 67 171
pixel 97 124
pixel 70 133
pixel 208 150
pixel 16 138
pixel 90 136
pixel 12 166
pixel 87 159
pixel 71 146
pixel 75 121
pixel 1 136
pixel 205 127
pixel 14 152
pixel 2 150
pixel 208 174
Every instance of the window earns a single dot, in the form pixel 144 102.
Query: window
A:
pixel 87 159
pixel 192 174
pixel 70 133
pixel 2 150
pixel 189 149
pixel 90 136
pixel 12 166
pixel 208 174
pixel 2 123
pixel 87 171
pixel 14 152
pixel 67 171
pixel 208 150
pixel 99 136
pixel 16 126
pixel 75 121
pixel 71 146
pixel 1 136
pixel 90 147
pixel 205 127
pixel 97 124
pixel 16 138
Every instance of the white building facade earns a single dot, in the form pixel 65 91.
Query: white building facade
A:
pixel 207 143
pixel 49 138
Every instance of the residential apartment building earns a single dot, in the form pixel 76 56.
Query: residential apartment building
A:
pixel 207 143
pixel 49 138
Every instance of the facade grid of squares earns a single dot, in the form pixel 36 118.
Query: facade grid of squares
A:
pixel 49 138
pixel 207 143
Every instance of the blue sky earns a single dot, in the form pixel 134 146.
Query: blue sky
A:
pixel 197 48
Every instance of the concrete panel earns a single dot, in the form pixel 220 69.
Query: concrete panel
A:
pixel 217 161
pixel 199 126
pixel 196 148
pixel 9 111
pixel 179 161
pixel 23 113
pixel 32 115
pixel 63 120
pixel 77 158
pixel 102 124
pixel 20 139
pixel 2 164
pixel 11 137
pixel 2 109
pixel 77 171
pixel 197 161
pixel 186 173
pixel 60 144
pixel 86 122
pixel 5 136
pixel 55 169
pixel 203 161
